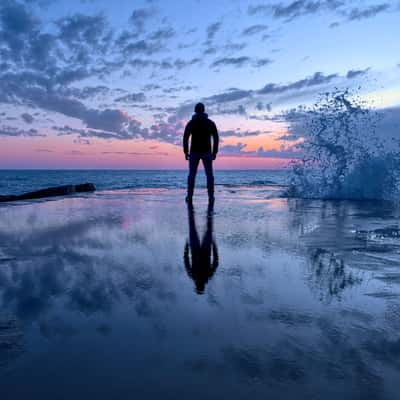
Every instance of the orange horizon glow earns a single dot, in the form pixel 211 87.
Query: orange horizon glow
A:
pixel 61 152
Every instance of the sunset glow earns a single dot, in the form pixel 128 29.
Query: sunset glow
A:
pixel 113 87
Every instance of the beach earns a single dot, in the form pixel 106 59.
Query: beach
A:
pixel 101 298
pixel 199 200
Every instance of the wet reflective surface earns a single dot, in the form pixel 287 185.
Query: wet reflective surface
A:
pixel 133 295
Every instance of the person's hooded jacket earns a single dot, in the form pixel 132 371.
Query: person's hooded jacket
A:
pixel 201 129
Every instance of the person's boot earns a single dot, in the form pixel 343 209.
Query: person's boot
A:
pixel 211 197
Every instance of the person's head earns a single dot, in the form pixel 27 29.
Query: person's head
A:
pixel 199 108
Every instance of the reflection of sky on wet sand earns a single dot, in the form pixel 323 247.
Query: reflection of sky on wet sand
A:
pixel 96 300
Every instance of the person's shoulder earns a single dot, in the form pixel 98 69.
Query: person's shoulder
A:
pixel 212 123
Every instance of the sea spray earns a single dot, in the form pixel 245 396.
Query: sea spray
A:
pixel 345 155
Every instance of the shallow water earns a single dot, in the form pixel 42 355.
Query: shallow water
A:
pixel 114 295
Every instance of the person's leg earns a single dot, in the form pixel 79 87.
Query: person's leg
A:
pixel 194 160
pixel 207 162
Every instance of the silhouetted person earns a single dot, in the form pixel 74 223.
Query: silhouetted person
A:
pixel 200 128
pixel 201 258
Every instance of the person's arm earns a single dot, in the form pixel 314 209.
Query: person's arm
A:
pixel 215 140
pixel 186 136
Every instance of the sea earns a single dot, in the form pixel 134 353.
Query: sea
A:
pixel 23 181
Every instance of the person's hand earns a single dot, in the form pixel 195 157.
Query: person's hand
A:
pixel 214 156
pixel 186 156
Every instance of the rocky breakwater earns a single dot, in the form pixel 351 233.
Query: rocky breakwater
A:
pixel 51 192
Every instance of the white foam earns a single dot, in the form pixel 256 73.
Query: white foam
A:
pixel 346 154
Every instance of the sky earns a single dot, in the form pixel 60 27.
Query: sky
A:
pixel 102 84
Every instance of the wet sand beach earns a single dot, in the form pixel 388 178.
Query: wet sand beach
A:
pixel 131 294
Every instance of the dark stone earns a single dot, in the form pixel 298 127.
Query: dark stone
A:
pixel 7 198
pixel 51 192
pixel 85 187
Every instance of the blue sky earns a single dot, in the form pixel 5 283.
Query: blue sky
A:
pixel 117 80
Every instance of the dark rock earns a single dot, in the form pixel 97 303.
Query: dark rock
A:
pixel 7 198
pixel 51 192
pixel 85 187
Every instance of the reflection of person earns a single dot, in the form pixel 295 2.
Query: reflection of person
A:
pixel 200 129
pixel 203 262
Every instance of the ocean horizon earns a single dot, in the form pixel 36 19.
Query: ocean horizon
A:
pixel 21 181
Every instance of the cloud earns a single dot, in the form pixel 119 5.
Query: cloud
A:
pixel 294 9
pixel 19 28
pixel 80 29
pixel 239 62
pixel 141 16
pixel 135 153
pixel 163 33
pixel 356 73
pixel 234 61
pixel 132 98
pixel 180 63
pixel 82 38
pixel 359 13
pixel 139 63
pixel 212 30
pixel 238 101
pixel 299 8
pixel 111 120
pixel 238 151
pixel 27 118
pixel 232 94
pixel 91 133
pixel 58 56
pixel 288 137
pixel 90 92
pixel 116 125
pixel 356 14
pixel 230 47
pixel 77 153
pixel 16 20
pixel 15 90
pixel 261 62
pixel 169 131
pixel 258 9
pixel 146 47
pixel 13 131
pixel 174 89
pixel 152 86
pixel 166 64
pixel 239 133
pixel 240 110
pixel 254 29
pixel 315 80
pixel 260 106
pixel 210 50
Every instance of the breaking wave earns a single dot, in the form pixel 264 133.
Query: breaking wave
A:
pixel 346 153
